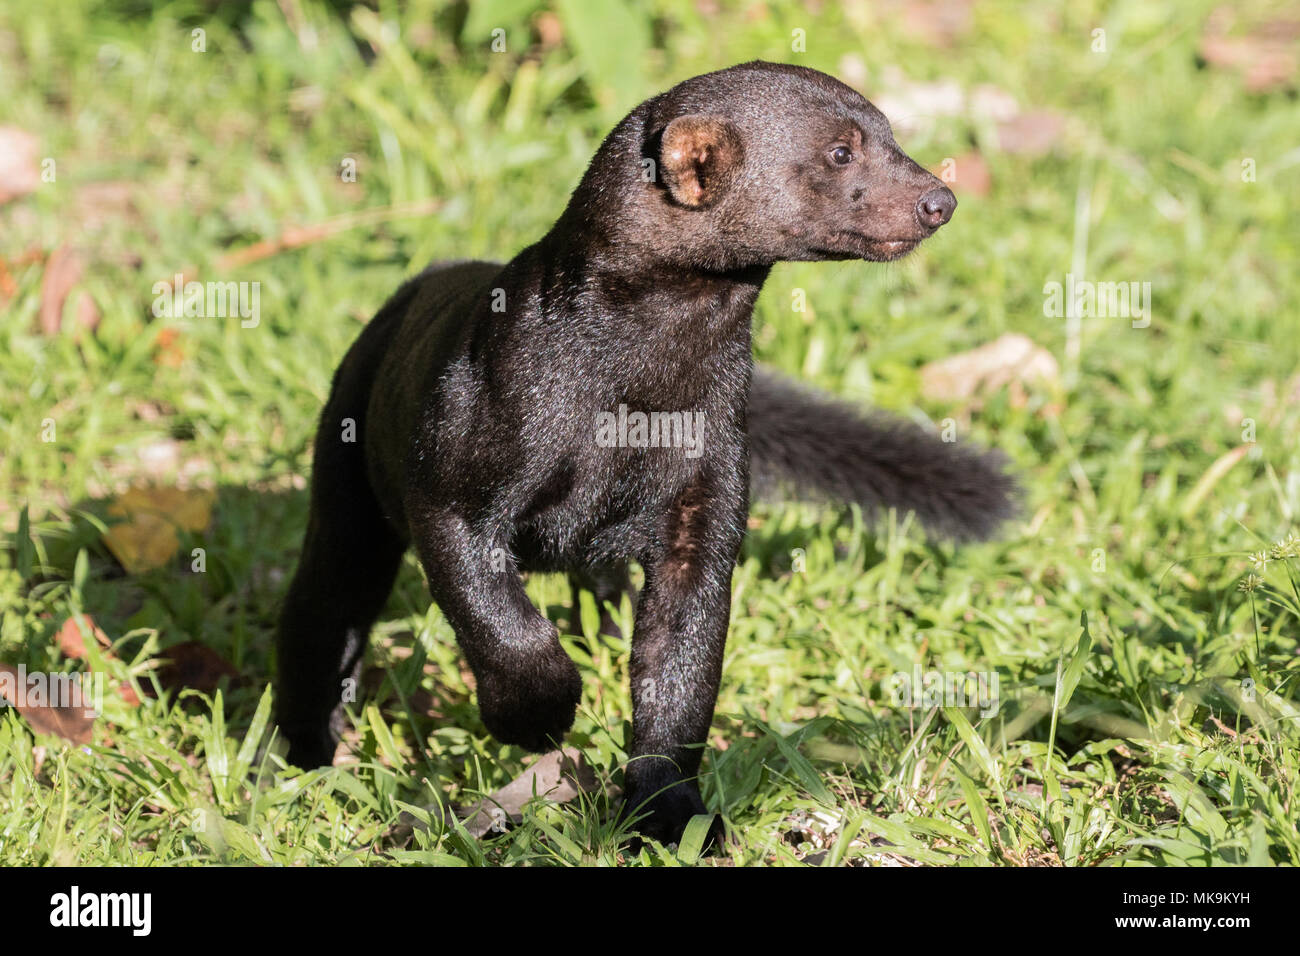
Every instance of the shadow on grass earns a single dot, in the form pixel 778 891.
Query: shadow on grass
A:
pixel 222 590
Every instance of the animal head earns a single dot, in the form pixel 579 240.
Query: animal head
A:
pixel 762 163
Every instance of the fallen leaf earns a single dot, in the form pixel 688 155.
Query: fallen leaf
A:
pixel 148 539
pixel 20 171
pixel 70 722
pixel 196 666
pixel 559 776
pixel 62 272
pixel 128 694
pixel 1265 54
pixel 87 312
pixel 295 237
pixel 1011 359
pixel 72 642
pixel 71 636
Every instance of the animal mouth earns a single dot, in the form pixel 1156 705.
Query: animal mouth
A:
pixel 854 245
pixel 882 250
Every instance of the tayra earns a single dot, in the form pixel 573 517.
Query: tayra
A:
pixel 471 419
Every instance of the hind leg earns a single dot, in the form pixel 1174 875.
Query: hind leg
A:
pixel 349 560
pixel 607 584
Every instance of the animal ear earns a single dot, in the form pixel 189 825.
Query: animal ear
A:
pixel 699 156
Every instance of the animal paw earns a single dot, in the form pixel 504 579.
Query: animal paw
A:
pixel 531 705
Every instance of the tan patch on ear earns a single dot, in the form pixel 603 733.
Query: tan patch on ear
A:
pixel 699 155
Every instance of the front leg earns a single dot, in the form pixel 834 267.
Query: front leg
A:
pixel 677 649
pixel 528 687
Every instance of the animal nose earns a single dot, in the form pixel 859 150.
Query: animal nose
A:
pixel 935 207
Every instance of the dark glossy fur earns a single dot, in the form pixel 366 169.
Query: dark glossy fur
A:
pixel 475 429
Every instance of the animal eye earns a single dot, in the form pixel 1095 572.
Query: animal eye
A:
pixel 841 155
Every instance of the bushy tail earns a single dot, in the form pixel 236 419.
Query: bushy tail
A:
pixel 813 444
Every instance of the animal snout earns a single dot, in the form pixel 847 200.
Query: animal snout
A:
pixel 936 207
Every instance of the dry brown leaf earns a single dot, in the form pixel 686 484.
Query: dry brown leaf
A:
pixel 75 722
pixel 20 171
pixel 148 539
pixel 1265 54
pixel 559 776
pixel 1011 359
pixel 295 237
pixel 62 272
pixel 87 312
pixel 72 642
pixel 71 637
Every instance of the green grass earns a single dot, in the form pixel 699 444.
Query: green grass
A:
pixel 1129 739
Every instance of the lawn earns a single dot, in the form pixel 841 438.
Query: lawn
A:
pixel 1140 618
